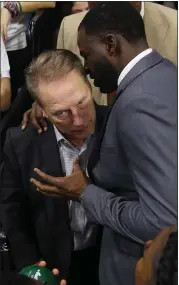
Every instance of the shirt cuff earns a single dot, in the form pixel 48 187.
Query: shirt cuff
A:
pixel 5 74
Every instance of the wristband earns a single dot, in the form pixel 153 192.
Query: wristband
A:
pixel 12 7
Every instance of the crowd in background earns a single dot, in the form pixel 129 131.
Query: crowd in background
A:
pixel 28 29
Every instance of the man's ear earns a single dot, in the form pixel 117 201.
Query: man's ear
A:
pixel 111 44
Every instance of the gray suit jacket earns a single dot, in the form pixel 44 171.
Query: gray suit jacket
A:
pixel 134 194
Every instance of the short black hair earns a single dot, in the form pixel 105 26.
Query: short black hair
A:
pixel 114 17
pixel 167 271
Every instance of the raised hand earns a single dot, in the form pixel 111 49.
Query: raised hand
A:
pixel 70 186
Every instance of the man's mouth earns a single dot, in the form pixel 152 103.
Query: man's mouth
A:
pixel 78 131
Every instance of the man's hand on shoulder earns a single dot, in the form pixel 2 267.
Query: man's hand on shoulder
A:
pixel 36 116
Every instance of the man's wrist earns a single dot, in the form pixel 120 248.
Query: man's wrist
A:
pixel 81 194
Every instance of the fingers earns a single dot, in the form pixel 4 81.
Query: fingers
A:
pixel 42 263
pixel 25 120
pixel 40 115
pixel 43 187
pixel 38 119
pixel 55 271
pixel 50 194
pixel 48 178
pixel 43 124
pixel 36 115
pixel 63 282
pixel 34 120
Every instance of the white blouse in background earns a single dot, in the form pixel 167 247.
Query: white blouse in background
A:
pixel 5 68
pixel 16 33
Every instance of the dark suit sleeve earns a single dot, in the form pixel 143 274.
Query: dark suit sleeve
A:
pixel 149 140
pixel 15 210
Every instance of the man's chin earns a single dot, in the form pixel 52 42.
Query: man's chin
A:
pixel 79 134
pixel 105 89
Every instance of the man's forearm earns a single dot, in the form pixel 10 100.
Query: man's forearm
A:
pixel 117 213
pixel 33 6
pixel 5 96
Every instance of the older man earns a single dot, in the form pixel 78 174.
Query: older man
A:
pixel 39 227
pixel 133 168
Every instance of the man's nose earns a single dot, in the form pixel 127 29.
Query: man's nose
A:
pixel 77 119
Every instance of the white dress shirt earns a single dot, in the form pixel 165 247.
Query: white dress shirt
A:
pixel 142 9
pixel 5 68
pixel 84 233
pixel 132 63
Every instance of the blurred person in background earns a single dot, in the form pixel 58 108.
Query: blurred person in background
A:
pixel 159 264
pixel 13 32
pixel 46 26
pixel 169 4
pixel 79 7
pixel 5 96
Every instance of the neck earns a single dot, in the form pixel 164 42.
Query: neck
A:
pixel 76 142
pixel 132 51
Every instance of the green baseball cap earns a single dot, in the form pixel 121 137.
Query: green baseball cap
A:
pixel 42 274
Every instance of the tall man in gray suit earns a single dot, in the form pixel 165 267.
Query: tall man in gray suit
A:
pixel 132 190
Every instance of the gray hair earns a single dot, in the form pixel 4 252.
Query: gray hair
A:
pixel 52 65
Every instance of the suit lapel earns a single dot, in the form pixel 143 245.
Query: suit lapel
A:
pixel 50 163
pixel 146 63
pixel 50 158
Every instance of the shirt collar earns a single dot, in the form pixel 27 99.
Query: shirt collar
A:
pixel 142 9
pixel 60 137
pixel 132 63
